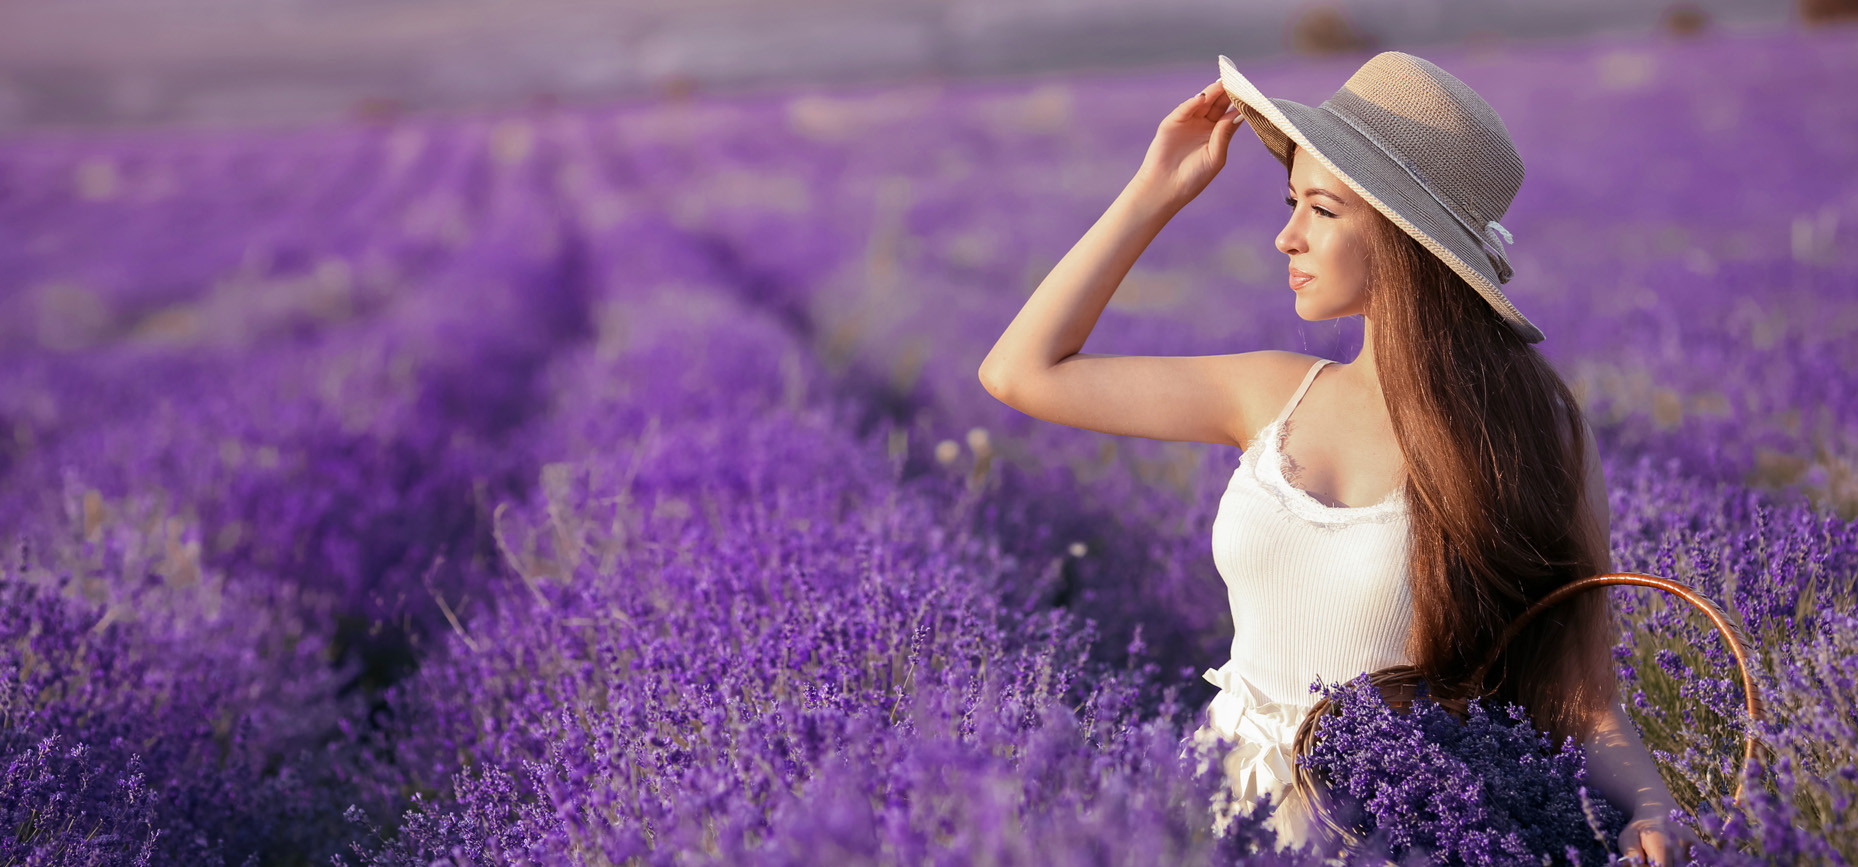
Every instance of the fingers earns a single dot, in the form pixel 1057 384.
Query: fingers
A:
pixel 1633 843
pixel 1216 101
pixel 1654 847
pixel 1194 105
pixel 1209 104
pixel 1656 851
pixel 1629 847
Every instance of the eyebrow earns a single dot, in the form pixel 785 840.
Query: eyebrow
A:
pixel 1318 191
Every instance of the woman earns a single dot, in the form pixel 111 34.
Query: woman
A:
pixel 1399 508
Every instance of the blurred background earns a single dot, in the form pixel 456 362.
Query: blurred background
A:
pixel 336 336
pixel 115 62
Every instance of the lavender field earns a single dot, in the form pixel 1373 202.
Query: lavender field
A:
pixel 614 486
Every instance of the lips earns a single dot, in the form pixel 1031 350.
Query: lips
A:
pixel 1298 279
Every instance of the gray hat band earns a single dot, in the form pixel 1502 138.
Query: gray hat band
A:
pixel 1490 236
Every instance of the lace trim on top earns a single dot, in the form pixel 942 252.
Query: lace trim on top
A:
pixel 1268 469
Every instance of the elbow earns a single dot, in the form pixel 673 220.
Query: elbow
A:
pixel 994 380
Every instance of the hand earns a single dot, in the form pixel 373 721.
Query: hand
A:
pixel 1189 147
pixel 1652 838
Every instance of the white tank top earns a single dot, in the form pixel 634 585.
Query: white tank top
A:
pixel 1315 589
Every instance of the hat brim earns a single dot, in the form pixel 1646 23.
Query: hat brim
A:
pixel 1378 179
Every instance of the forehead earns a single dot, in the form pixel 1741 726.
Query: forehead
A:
pixel 1307 172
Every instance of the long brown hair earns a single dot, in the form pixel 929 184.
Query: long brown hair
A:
pixel 1496 474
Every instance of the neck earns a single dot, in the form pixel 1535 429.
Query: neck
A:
pixel 1363 365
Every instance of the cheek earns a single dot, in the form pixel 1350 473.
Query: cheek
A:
pixel 1357 264
pixel 1346 258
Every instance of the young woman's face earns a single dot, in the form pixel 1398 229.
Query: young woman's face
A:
pixel 1327 242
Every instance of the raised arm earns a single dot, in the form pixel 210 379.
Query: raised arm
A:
pixel 1037 365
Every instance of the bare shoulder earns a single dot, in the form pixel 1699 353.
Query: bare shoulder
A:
pixel 1265 384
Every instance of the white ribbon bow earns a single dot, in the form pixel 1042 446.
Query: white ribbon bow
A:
pixel 1264 759
pixel 1497 236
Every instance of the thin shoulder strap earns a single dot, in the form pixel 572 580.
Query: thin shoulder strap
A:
pixel 1307 379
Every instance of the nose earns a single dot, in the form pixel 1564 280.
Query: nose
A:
pixel 1290 241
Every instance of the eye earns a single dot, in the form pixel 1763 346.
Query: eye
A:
pixel 1292 202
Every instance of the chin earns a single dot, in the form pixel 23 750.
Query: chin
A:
pixel 1316 308
pixel 1319 313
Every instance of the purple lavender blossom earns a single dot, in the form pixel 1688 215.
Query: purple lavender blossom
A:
pixel 1487 790
pixel 610 483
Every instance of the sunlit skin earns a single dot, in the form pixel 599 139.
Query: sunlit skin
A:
pixel 1037 367
pixel 1326 236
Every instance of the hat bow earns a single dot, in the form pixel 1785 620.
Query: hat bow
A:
pixel 1493 234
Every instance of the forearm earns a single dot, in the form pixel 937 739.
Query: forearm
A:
pixel 1622 771
pixel 1065 307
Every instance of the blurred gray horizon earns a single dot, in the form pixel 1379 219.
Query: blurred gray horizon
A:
pixel 99 64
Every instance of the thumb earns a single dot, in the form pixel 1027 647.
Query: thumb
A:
pixel 1227 126
pixel 1628 843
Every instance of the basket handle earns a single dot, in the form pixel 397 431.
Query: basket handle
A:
pixel 1640 579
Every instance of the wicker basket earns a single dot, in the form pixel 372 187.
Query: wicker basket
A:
pixel 1399 684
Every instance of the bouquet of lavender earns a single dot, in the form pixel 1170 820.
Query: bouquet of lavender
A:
pixel 1424 787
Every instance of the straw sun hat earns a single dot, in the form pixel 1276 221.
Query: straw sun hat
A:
pixel 1418 145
